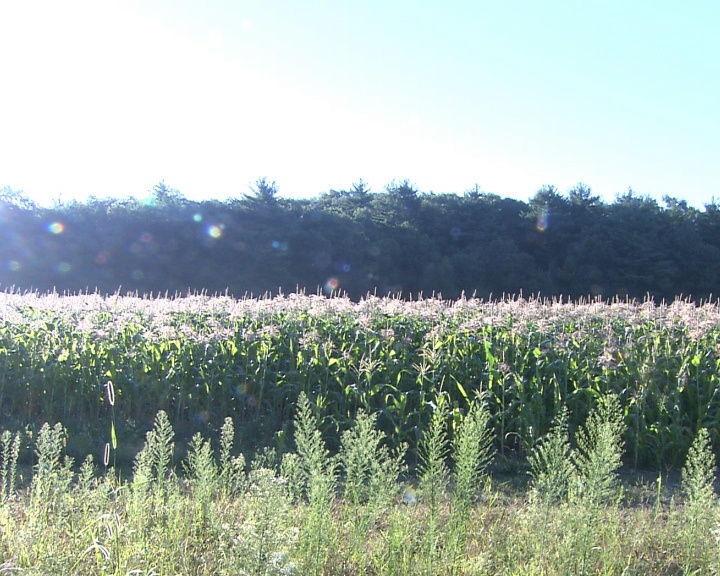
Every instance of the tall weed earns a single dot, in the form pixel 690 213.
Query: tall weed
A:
pixel 53 473
pixel 598 454
pixel 152 485
pixel 434 476
pixel 472 450
pixel 232 468
pixel 202 475
pixel 595 490
pixel 551 465
pixel 264 541
pixel 319 476
pixel 701 510
pixel 371 473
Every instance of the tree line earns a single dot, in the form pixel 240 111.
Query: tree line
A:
pixel 357 241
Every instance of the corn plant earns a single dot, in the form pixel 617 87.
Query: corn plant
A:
pixel 201 359
pixel 9 453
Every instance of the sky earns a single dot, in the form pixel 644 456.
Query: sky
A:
pixel 108 98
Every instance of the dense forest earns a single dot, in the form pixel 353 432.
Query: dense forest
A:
pixel 356 241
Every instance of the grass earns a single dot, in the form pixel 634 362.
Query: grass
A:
pixel 358 512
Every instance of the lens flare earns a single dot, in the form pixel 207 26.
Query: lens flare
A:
pixel 215 231
pixel 197 217
pixel 331 285
pixel 342 267
pixel 138 275
pixel 543 220
pixel 63 267
pixel 277 245
pixel 110 392
pixel 56 228
pixel 14 265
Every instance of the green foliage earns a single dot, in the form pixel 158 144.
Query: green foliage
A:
pixel 166 197
pixel 357 455
pixel 231 467
pixel 15 199
pixel 371 478
pixel 434 475
pixel 380 373
pixel 202 359
pixel 319 475
pixel 152 485
pixel 264 191
pixel 53 474
pixel 434 449
pixel 317 465
pixel 291 468
pixel 266 538
pixel 162 445
pixel 371 470
pixel 200 466
pixel 472 450
pixel 551 466
pixel 396 241
pixel 583 478
pixel 697 484
pixel 97 526
pixel 201 473
pixel 9 453
pixel 698 474
pixel 598 454
pixel 86 476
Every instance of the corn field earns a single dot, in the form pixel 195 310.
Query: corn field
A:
pixel 101 365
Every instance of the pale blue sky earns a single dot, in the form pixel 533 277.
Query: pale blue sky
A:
pixel 109 97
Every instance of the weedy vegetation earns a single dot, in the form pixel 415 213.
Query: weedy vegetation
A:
pixel 306 435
